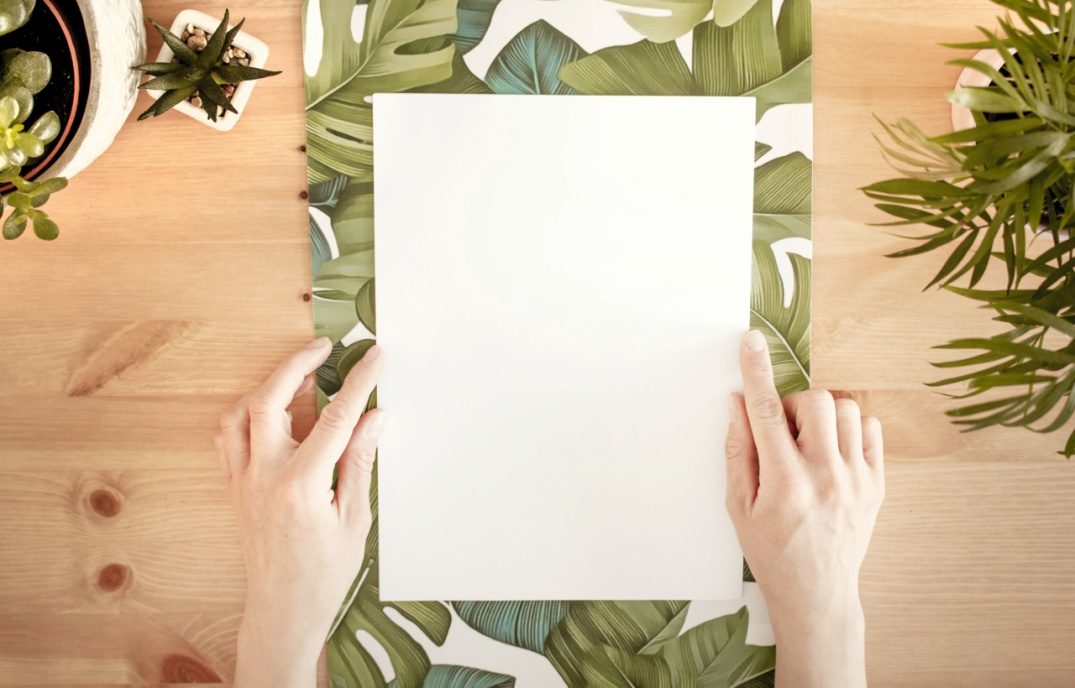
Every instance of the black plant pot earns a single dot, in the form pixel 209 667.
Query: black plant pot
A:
pixel 57 29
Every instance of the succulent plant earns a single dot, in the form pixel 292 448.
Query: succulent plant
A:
pixel 201 69
pixel 22 76
pixel 14 13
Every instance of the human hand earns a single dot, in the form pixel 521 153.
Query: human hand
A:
pixel 805 483
pixel 303 544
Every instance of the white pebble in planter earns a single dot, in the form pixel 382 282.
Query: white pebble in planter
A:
pixel 256 51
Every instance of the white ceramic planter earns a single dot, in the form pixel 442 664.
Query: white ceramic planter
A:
pixel 257 50
pixel 117 38
pixel 961 116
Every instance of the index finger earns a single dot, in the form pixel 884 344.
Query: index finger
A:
pixel 764 408
pixel 333 430
pixel 268 404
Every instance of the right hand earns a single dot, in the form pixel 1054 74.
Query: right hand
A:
pixel 805 483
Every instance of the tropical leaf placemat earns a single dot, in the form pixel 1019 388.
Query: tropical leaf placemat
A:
pixel 760 48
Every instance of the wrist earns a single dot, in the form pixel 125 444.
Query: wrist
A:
pixel 822 644
pixel 276 652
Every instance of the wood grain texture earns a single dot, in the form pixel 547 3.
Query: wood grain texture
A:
pixel 178 283
pixel 970 579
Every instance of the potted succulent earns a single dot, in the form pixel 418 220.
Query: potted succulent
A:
pixel 28 82
pixel 52 62
pixel 1000 193
pixel 206 69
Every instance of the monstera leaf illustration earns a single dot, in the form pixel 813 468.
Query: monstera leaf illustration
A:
pixel 405 44
pixel 749 57
pixel 417 46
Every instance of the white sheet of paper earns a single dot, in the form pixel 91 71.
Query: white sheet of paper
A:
pixel 562 284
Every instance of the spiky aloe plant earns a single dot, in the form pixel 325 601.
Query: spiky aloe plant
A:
pixel 198 73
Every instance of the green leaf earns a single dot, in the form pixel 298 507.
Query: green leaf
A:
pixel 22 96
pixel 462 81
pixel 609 667
pixel 47 127
pixel 320 252
pixel 672 19
pixel 786 329
pixel 14 225
pixel 745 59
pixel 32 68
pixel 770 228
pixel 985 100
pixel 328 378
pixel 351 355
pixel 45 228
pixel 157 68
pixel 215 47
pixel 795 86
pixel 166 82
pixel 334 319
pixel 168 101
pixel 715 653
pixel 520 624
pixel 531 61
pixel 627 626
pixel 178 47
pixel 447 676
pixel 644 68
pixel 340 137
pixel 9 111
pixel 474 17
pixel 794 32
pixel 30 144
pixel 783 185
pixel 14 14
pixel 234 74
pixel 327 193
pixel 211 91
pixel 340 56
pixel 376 64
pixel 728 12
pixel 366 304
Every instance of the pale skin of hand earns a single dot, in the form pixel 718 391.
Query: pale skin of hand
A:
pixel 805 483
pixel 303 543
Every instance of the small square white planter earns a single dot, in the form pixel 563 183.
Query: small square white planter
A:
pixel 257 50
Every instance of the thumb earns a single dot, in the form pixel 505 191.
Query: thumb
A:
pixel 356 467
pixel 742 456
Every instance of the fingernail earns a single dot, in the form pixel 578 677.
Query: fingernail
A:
pixel 733 409
pixel 376 424
pixel 755 341
pixel 318 343
pixel 372 353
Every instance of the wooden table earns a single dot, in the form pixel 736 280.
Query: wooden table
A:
pixel 182 276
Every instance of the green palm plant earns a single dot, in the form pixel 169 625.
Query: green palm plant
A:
pixel 1001 192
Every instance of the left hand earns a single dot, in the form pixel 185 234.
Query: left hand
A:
pixel 303 543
